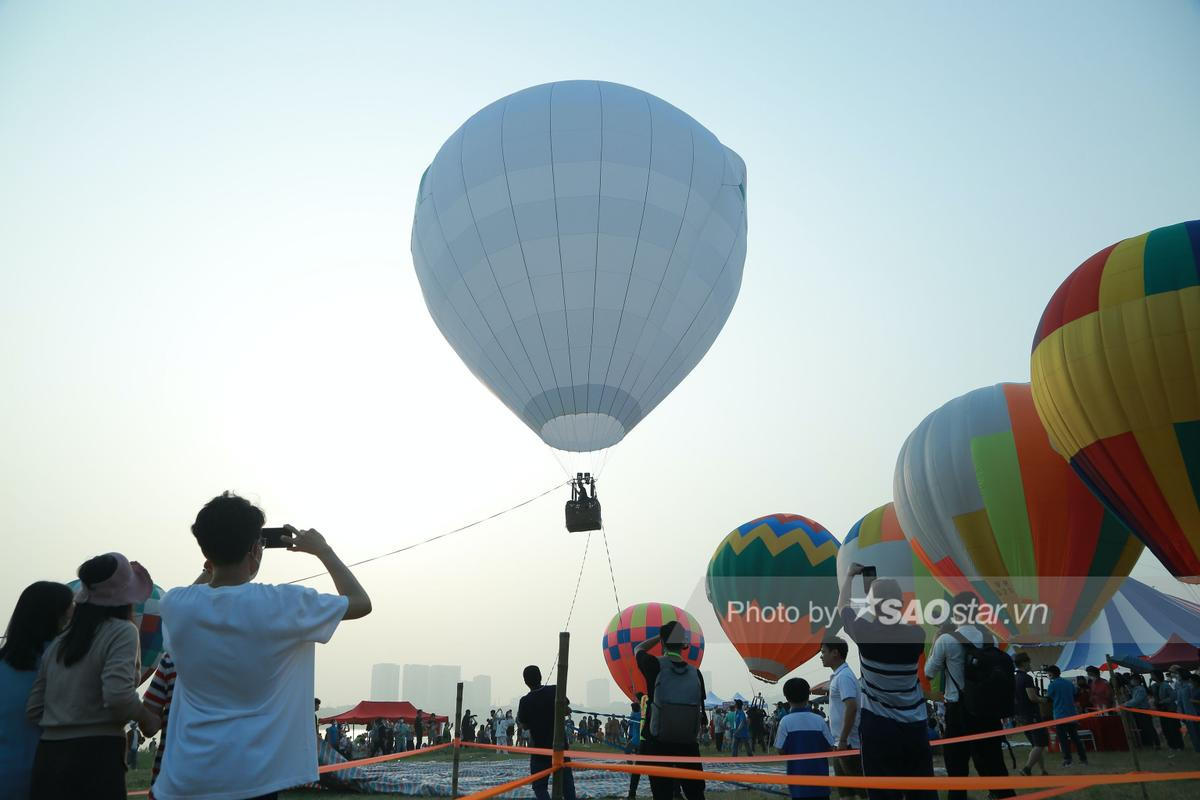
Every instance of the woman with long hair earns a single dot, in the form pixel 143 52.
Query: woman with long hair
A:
pixel 41 613
pixel 86 689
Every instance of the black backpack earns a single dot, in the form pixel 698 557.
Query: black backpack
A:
pixel 990 680
pixel 677 703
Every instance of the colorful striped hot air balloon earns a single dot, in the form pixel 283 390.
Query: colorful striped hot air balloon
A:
pixel 763 580
pixel 635 625
pixel 877 541
pixel 1116 380
pixel 991 508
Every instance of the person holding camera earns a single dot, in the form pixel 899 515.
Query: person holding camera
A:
pixel 244 654
pixel 892 719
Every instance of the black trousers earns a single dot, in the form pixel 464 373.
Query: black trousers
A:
pixel 891 748
pixel 1068 734
pixel 1145 724
pixel 987 754
pixel 91 766
pixel 1171 730
pixel 664 788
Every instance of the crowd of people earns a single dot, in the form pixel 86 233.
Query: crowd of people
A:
pixel 227 699
pixel 385 737
pixel 985 690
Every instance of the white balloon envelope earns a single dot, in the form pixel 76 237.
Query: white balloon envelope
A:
pixel 580 245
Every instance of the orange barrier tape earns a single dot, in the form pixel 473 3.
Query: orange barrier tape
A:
pixel 508 787
pixel 895 782
pixel 647 759
pixel 362 762
pixel 1048 723
pixel 1048 793
pixel 1168 714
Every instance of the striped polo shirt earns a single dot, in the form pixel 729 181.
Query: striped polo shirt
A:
pixel 888 656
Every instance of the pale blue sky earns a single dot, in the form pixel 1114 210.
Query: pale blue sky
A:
pixel 205 280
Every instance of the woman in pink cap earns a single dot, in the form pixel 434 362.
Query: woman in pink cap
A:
pixel 85 693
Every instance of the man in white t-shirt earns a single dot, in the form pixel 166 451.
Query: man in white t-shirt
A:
pixel 843 712
pixel 244 656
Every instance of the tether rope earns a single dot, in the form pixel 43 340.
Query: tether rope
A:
pixel 468 526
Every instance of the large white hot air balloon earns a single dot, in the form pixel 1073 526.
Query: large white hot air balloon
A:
pixel 580 245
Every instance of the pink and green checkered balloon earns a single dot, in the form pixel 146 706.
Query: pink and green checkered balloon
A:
pixel 635 625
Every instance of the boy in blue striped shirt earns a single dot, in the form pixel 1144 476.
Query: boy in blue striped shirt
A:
pixel 803 731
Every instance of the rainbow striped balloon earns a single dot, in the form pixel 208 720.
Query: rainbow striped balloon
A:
pixel 635 625
pixel 1116 381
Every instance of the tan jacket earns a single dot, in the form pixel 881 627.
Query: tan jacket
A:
pixel 96 696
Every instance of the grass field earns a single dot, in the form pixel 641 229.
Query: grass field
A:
pixel 1099 763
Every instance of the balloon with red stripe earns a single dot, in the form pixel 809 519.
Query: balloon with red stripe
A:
pixel 991 509
pixel 1116 381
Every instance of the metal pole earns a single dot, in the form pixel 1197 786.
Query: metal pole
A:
pixel 561 708
pixel 457 738
pixel 1126 724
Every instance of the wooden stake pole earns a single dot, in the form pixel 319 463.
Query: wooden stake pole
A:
pixel 1126 724
pixel 457 722
pixel 561 708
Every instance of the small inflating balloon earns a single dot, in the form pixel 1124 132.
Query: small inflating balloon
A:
pixel 635 625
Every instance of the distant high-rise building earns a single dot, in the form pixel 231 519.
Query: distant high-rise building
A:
pixel 443 688
pixel 597 694
pixel 385 682
pixel 416 685
pixel 477 695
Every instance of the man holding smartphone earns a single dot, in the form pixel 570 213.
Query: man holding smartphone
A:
pixel 244 656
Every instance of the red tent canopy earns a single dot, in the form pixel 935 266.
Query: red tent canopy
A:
pixel 370 710
pixel 1175 651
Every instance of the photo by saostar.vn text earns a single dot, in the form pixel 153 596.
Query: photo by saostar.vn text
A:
pixel 934 613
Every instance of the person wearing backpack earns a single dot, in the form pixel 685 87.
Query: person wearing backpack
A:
pixel 980 687
pixel 675 700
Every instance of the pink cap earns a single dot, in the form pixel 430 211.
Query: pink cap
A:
pixel 129 585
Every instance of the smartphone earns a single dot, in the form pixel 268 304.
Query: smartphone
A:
pixel 868 576
pixel 273 537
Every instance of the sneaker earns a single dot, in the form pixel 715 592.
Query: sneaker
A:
pixel 1027 772
pixel 1067 764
